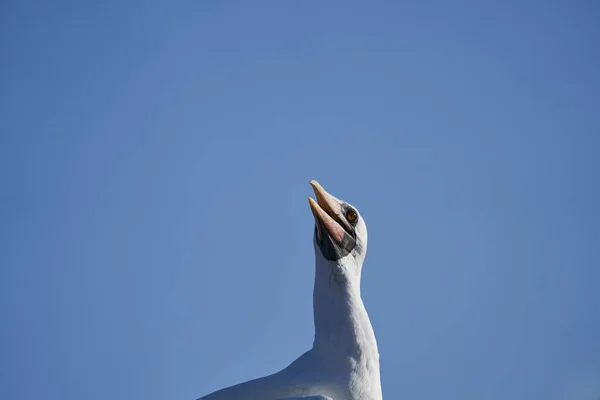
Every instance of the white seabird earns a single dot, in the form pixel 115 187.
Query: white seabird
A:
pixel 343 363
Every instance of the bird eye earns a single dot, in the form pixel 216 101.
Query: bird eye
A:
pixel 351 215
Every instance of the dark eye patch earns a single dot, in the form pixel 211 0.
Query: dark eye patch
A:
pixel 348 208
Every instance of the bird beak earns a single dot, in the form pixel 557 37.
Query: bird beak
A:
pixel 327 211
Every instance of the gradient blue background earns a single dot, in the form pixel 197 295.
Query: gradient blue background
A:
pixel 156 241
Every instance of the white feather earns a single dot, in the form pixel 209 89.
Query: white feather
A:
pixel 343 363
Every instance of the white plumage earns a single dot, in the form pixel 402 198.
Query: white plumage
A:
pixel 343 363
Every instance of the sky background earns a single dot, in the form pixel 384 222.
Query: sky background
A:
pixel 156 240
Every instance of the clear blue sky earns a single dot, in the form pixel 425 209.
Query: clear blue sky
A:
pixel 156 241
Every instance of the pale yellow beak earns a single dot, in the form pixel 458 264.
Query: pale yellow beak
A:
pixel 327 211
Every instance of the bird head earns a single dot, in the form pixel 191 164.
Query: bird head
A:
pixel 340 232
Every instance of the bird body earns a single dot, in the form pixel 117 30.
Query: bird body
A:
pixel 343 363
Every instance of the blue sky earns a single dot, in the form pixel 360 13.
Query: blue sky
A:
pixel 156 241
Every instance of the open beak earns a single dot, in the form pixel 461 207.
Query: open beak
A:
pixel 327 211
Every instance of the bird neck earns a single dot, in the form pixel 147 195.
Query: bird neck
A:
pixel 341 320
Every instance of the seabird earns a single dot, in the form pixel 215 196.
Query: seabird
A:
pixel 343 363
